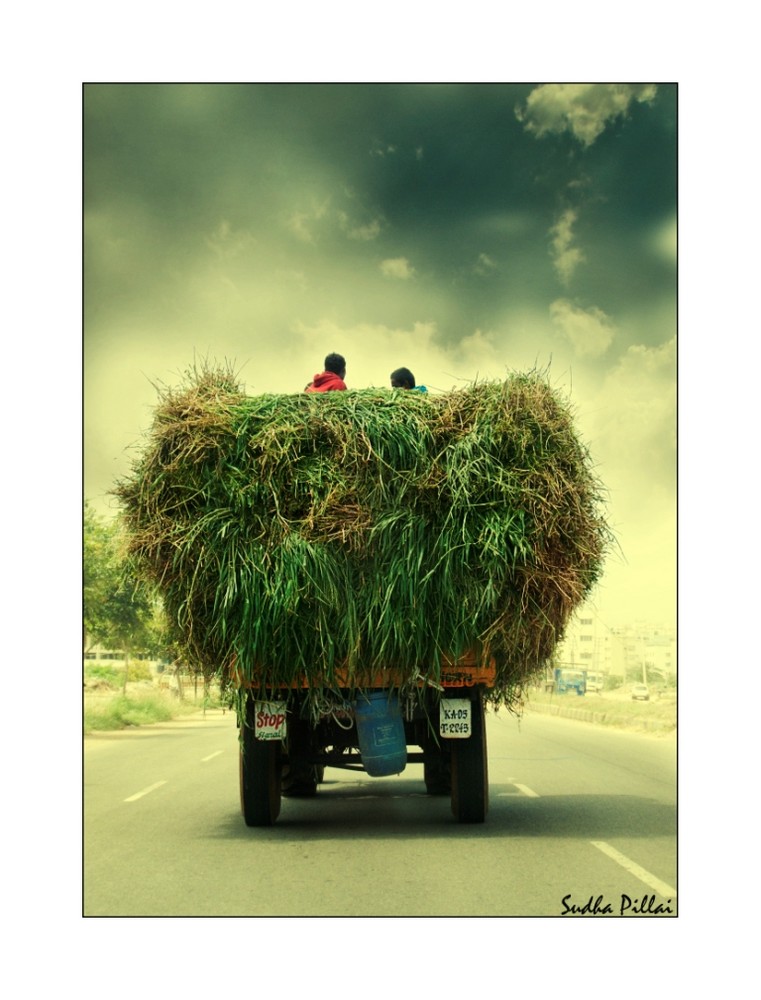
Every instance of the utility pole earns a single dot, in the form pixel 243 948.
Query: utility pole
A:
pixel 642 655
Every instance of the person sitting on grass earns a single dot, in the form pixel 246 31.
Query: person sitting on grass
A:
pixel 403 378
pixel 332 378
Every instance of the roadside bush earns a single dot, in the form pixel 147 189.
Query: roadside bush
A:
pixel 113 673
pixel 105 672
pixel 129 710
pixel 139 671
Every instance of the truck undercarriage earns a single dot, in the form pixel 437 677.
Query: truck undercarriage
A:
pixel 294 764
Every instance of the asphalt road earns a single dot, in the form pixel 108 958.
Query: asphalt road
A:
pixel 581 819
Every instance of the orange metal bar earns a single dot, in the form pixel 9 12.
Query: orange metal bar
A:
pixel 467 671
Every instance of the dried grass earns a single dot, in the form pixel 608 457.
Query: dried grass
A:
pixel 324 535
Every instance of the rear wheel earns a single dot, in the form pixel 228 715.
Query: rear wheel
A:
pixel 437 770
pixel 260 764
pixel 470 780
pixel 300 776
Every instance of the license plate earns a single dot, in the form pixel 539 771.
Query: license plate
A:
pixel 269 720
pixel 454 718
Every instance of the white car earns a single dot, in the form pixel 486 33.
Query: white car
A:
pixel 640 692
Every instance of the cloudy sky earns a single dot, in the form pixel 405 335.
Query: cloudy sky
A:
pixel 461 230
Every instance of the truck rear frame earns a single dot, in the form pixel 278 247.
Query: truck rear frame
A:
pixel 454 764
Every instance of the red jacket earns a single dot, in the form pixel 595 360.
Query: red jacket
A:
pixel 326 382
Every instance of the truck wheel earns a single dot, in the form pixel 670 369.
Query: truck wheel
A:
pixel 259 779
pixel 470 781
pixel 299 782
pixel 437 771
pixel 299 776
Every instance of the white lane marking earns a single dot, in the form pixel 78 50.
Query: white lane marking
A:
pixel 211 756
pixel 526 791
pixel 522 789
pixel 633 868
pixel 145 791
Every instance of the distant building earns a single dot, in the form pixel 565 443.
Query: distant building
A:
pixel 100 654
pixel 626 653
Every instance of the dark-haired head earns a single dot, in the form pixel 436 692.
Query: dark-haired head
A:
pixel 402 378
pixel 335 363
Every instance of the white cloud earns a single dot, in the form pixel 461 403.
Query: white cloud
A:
pixel 298 225
pixel 632 419
pixel 382 149
pixel 226 242
pixel 368 231
pixel 484 265
pixel 397 267
pixel 584 109
pixel 566 257
pixel 627 417
pixel 373 350
pixel 480 355
pixel 590 331
pixel 638 399
pixel 662 240
pixel 302 224
pixel 321 220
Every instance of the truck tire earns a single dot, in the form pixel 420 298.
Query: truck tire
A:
pixel 259 778
pixel 299 782
pixel 437 771
pixel 299 776
pixel 470 779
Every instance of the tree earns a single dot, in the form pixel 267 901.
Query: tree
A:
pixel 101 576
pixel 120 610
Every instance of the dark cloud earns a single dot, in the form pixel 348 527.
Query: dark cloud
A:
pixel 436 165
pixel 418 225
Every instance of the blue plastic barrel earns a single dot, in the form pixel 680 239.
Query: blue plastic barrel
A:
pixel 381 733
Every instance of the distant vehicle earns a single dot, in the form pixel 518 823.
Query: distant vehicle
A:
pixel 570 680
pixel 640 692
pixel 594 682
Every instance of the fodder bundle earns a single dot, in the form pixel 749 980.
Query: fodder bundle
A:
pixel 325 536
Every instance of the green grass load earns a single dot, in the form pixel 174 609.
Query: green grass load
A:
pixel 322 536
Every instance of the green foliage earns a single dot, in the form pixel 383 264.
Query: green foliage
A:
pixel 112 674
pixel 127 710
pixel 101 575
pixel 106 673
pixel 351 531
pixel 614 710
pixel 138 670
pixel 120 609
pixel 109 712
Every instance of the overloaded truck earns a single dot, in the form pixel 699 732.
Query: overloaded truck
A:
pixel 366 572
pixel 285 746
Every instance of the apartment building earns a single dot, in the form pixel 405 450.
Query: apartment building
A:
pixel 626 653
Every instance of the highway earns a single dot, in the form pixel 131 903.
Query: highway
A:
pixel 582 822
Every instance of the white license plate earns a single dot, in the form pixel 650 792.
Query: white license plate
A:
pixel 269 720
pixel 454 718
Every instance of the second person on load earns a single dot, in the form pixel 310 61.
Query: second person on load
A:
pixel 403 378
